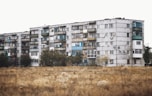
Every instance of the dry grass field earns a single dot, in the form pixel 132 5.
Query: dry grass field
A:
pixel 76 81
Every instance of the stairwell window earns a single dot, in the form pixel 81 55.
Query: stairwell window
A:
pixel 127 34
pixel 128 25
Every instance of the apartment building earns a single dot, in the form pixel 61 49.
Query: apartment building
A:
pixel 107 42
pixel 1 43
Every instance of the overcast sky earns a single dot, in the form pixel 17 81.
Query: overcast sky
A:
pixel 20 15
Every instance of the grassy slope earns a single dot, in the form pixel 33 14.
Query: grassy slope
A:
pixel 76 81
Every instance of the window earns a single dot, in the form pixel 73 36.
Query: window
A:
pixel 106 25
pixel 98 35
pixel 106 52
pixel 138 43
pixel 98 44
pixel 111 42
pixel 128 61
pixel 127 51
pixel 111 51
pixel 98 52
pixel 111 61
pixel 111 34
pixel 110 25
pixel 106 62
pixel 128 25
pixel 127 34
pixel 127 42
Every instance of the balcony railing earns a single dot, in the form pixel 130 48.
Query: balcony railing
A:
pixel 77 39
pixel 60 48
pixel 34 43
pixel 45 42
pixel 92 56
pixel 10 41
pixel 62 32
pixel 45 34
pixel 89 47
pixel 59 40
pixel 34 49
pixel 91 38
pixel 91 30
pixel 34 35
pixel 1 47
pixel 25 39
pixel 25 47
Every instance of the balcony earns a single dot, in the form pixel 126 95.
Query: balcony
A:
pixel 62 32
pixel 91 30
pixel 85 47
pixel 91 56
pixel 25 39
pixel 45 42
pixel 91 38
pixel 45 34
pixel 88 47
pixel 25 47
pixel 77 39
pixel 59 40
pixel 137 29
pixel 34 43
pixel 137 55
pixel 1 47
pixel 137 38
pixel 1 40
pixel 12 47
pixel 60 48
pixel 34 35
pixel 34 49
pixel 10 41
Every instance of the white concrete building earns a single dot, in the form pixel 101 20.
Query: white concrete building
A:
pixel 108 42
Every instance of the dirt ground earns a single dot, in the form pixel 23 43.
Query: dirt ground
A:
pixel 76 81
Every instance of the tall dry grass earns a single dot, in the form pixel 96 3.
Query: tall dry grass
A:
pixel 76 81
